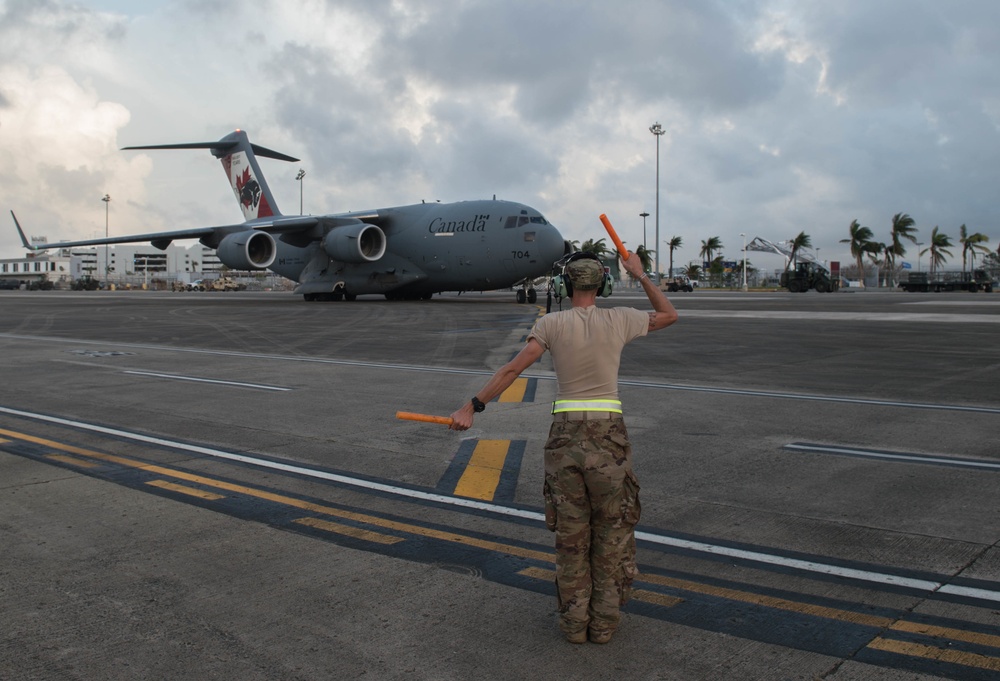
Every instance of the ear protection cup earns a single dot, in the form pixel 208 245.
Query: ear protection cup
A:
pixel 563 287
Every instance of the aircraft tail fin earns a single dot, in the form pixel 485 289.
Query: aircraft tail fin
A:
pixel 239 159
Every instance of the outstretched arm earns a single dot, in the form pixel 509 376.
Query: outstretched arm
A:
pixel 664 313
pixel 500 381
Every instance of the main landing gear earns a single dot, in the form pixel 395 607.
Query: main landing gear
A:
pixel 527 295
pixel 328 297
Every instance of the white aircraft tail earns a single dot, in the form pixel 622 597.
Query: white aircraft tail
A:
pixel 239 159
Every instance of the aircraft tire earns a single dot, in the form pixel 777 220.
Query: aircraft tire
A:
pixel 521 296
pixel 532 296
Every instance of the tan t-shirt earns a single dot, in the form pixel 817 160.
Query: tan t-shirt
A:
pixel 586 346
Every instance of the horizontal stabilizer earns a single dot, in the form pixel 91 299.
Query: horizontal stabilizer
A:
pixel 220 148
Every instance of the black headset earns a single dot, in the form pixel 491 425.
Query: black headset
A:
pixel 563 287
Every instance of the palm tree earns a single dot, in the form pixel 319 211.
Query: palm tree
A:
pixel 970 244
pixel 598 248
pixel 940 243
pixel 645 257
pixel 801 241
pixel 674 243
pixel 709 246
pixel 902 228
pixel 874 249
pixel 693 272
pixel 860 238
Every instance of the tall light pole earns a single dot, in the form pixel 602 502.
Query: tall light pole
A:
pixel 657 130
pixel 299 177
pixel 919 244
pixel 644 215
pixel 743 234
pixel 107 262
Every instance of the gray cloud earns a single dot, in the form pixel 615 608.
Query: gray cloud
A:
pixel 781 116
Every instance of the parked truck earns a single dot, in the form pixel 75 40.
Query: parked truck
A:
pixel 978 280
pixel 807 275
pixel 675 284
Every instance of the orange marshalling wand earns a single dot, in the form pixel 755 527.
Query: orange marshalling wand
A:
pixel 426 418
pixel 622 251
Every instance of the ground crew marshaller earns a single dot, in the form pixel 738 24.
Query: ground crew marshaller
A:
pixel 591 492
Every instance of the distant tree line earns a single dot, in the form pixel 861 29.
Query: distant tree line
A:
pixel 883 255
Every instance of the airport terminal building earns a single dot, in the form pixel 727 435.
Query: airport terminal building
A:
pixel 125 265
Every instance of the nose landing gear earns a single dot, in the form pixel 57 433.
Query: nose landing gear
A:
pixel 526 294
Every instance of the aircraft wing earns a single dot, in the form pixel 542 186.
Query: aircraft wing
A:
pixel 210 236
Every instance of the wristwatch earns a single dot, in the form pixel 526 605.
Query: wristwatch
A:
pixel 477 406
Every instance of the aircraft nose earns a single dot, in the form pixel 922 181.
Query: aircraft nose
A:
pixel 551 244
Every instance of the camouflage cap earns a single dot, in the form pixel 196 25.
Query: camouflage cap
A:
pixel 585 273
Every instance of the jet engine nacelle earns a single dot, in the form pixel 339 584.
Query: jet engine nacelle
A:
pixel 248 250
pixel 358 243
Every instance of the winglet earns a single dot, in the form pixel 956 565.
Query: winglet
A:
pixel 24 239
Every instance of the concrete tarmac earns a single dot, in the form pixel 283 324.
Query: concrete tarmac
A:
pixel 214 485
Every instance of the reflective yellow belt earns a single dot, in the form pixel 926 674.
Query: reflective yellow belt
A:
pixel 560 406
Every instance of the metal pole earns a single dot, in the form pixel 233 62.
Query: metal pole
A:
pixel 743 234
pixel 299 177
pixel 107 262
pixel 657 130
pixel 644 215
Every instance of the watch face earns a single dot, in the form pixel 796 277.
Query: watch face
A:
pixel 477 406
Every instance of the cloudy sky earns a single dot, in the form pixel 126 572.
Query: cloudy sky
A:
pixel 780 116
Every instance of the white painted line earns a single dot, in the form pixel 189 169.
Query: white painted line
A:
pixel 665 540
pixel 545 377
pixel 206 380
pixel 811 398
pixel 891 456
pixel 879 317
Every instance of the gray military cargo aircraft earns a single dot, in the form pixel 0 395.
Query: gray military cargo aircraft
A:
pixel 404 252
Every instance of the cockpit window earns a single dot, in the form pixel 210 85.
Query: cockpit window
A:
pixel 522 220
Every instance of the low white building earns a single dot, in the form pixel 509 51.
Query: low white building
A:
pixel 55 267
pixel 124 265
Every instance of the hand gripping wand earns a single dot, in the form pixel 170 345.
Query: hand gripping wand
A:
pixel 426 418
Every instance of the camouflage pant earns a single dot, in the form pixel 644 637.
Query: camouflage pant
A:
pixel 592 504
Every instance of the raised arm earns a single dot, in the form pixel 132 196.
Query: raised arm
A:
pixel 664 313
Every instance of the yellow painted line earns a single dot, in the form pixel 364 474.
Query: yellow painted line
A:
pixel 638 594
pixel 349 531
pixel 70 460
pixel 956 657
pixel 482 475
pixel 988 640
pixel 296 503
pixel 940 654
pixel 771 601
pixel 515 392
pixel 190 491
pixel 538 573
pixel 655 598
